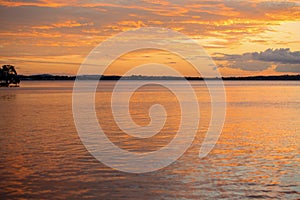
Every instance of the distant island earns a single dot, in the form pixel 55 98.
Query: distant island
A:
pixel 40 77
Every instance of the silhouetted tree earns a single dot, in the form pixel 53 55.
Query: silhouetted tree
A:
pixel 8 75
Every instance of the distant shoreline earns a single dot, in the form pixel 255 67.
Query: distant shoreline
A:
pixel 45 77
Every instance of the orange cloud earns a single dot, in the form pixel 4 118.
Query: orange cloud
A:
pixel 65 24
pixel 219 25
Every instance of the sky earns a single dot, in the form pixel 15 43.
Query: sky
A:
pixel 244 37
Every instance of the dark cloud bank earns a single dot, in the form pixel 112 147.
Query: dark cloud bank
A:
pixel 283 59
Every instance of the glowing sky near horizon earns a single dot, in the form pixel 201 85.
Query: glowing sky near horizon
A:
pixel 257 37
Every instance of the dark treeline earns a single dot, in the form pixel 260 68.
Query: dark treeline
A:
pixel 139 77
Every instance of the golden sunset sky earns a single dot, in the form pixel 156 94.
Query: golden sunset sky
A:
pixel 257 37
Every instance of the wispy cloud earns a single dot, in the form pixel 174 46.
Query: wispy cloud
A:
pixel 51 27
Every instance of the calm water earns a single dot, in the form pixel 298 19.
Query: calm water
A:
pixel 257 155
